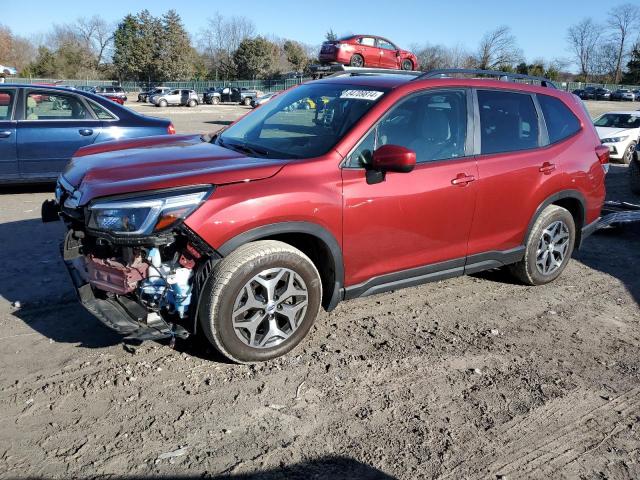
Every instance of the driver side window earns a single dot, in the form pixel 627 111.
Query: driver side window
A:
pixel 433 124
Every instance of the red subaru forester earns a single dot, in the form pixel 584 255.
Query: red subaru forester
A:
pixel 389 181
pixel 367 51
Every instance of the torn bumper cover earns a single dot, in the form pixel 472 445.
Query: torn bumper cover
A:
pixel 120 313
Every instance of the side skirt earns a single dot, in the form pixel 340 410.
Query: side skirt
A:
pixel 435 272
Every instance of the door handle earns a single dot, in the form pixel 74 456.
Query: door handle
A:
pixel 85 132
pixel 5 133
pixel 547 168
pixel 463 180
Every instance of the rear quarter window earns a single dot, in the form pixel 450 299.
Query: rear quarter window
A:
pixel 560 120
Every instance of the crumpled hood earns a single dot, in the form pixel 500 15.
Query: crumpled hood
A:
pixel 608 132
pixel 153 163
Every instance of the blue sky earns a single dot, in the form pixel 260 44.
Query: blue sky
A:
pixel 540 26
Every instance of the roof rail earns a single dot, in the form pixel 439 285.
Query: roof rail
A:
pixel 339 70
pixel 504 76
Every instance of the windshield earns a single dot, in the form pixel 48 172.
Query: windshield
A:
pixel 304 122
pixel 618 120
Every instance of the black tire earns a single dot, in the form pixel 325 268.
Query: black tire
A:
pixel 628 153
pixel 162 103
pixel 634 176
pixel 357 60
pixel 526 270
pixel 407 65
pixel 228 280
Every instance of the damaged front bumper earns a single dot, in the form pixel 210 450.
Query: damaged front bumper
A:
pixel 120 313
pixel 145 287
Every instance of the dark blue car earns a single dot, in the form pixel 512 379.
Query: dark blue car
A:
pixel 41 128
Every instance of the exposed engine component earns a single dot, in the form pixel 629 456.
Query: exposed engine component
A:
pixel 167 285
pixel 113 276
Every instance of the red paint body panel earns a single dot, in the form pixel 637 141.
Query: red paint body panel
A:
pixel 341 52
pixel 409 220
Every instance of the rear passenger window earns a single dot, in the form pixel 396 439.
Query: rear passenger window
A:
pixel 561 122
pixel 508 122
pixel 6 104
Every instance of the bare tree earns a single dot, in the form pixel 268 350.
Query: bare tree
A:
pixel 97 35
pixel 621 20
pixel 15 51
pixel 583 38
pixel 498 48
pixel 221 38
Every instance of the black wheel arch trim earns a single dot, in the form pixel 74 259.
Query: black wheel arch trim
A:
pixel 564 194
pixel 309 228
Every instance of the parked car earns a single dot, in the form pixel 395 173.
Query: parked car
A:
pixel 242 95
pixel 5 70
pixel 145 94
pixel 367 51
pixel 602 94
pixel 623 94
pixel 114 98
pixel 244 236
pixel 42 127
pixel 113 91
pixel 578 92
pixel 179 96
pixel 619 131
pixel 85 88
pixel 256 102
pixel 589 93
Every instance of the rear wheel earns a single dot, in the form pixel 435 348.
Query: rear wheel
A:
pixel 357 61
pixel 192 103
pixel 549 247
pixel 260 301
pixel 628 153
pixel 246 101
pixel 407 65
pixel 215 101
pixel 634 176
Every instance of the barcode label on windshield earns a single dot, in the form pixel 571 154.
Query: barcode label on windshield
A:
pixel 361 94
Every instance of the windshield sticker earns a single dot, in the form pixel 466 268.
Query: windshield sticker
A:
pixel 361 94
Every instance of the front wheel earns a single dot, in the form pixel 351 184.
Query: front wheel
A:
pixel 628 153
pixel 215 101
pixel 247 101
pixel 162 103
pixel 260 301
pixel 407 65
pixel 549 247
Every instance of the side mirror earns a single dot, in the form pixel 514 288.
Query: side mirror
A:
pixel 390 158
pixel 394 158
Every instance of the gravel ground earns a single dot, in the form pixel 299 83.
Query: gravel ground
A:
pixel 475 377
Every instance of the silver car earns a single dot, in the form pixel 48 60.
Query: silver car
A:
pixel 178 96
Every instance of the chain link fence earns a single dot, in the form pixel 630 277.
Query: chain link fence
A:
pixel 262 85
pixel 199 86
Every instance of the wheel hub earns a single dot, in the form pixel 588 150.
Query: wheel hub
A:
pixel 552 248
pixel 270 307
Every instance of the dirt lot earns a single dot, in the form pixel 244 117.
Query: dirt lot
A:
pixel 474 377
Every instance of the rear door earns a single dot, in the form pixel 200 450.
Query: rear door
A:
pixel 53 127
pixel 515 174
pixel 367 48
pixel 8 157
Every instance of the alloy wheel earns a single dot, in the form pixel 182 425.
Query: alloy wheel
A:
pixel 552 248
pixel 270 307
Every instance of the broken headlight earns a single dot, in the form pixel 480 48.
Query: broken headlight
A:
pixel 146 214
